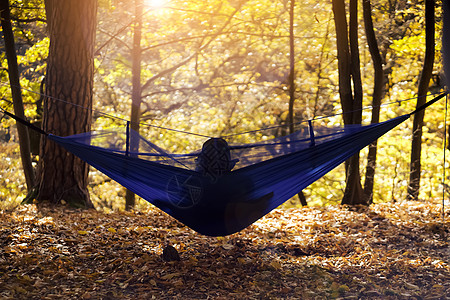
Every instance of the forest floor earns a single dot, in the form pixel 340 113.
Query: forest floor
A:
pixel 387 251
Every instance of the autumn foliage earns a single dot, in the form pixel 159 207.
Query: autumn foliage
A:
pixel 387 251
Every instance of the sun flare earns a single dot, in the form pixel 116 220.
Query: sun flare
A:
pixel 155 3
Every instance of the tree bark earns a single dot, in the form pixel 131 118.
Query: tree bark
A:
pixel 291 67
pixel 416 145
pixel 378 93
pixel 14 79
pixel 136 94
pixel 68 102
pixel 292 87
pixel 351 99
pixel 343 55
pixel 355 64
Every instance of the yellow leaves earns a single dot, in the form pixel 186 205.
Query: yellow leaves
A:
pixel 408 44
pixel 19 290
pixel 337 289
pixel 343 288
pixel 275 264
pixel 438 286
pixel 212 111
pixel 332 253
pixel 242 260
pixel 112 230
pixel 25 278
pixel 193 260
pixel 46 221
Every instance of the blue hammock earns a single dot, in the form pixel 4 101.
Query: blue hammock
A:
pixel 230 202
pixel 264 174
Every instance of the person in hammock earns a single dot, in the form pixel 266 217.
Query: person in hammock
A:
pixel 234 192
pixel 215 159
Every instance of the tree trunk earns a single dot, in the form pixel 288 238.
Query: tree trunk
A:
pixel 136 96
pixel 291 67
pixel 446 44
pixel 14 79
pixel 416 145
pixel 343 55
pixel 355 64
pixel 378 93
pixel 351 101
pixel 301 196
pixel 68 102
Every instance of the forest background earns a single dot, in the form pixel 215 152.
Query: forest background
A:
pixel 222 67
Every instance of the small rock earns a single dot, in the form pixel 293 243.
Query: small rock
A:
pixel 170 254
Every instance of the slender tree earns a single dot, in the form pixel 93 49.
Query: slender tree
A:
pixel 68 102
pixel 292 87
pixel 14 79
pixel 291 66
pixel 377 95
pixel 350 90
pixel 416 145
pixel 136 94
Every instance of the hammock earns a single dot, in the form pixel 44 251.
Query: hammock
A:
pixel 212 202
pixel 265 174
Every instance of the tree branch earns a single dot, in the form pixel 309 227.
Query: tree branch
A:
pixel 175 67
pixel 36 19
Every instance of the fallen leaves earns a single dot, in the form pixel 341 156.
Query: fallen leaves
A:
pixel 387 251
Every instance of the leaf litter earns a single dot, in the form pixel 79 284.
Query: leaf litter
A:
pixel 385 251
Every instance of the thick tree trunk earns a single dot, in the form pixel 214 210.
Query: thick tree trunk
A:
pixel 136 94
pixel 378 93
pixel 416 145
pixel 68 102
pixel 14 79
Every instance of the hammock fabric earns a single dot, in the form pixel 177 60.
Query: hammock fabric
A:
pixel 221 189
pixel 221 192
pixel 265 174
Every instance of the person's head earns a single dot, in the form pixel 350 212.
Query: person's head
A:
pixel 215 159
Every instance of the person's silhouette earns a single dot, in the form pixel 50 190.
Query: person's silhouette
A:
pixel 221 199
pixel 215 159
pixel 228 195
